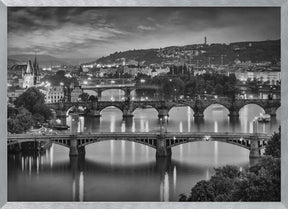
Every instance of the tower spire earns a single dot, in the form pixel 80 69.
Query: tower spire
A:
pixel 35 64
pixel 36 70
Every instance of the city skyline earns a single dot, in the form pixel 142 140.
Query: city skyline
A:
pixel 95 32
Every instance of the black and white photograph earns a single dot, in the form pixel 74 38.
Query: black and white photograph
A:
pixel 144 104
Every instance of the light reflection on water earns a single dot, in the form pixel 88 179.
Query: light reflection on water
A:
pixel 127 171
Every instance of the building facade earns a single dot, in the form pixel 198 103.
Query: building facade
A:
pixel 31 76
pixel 54 94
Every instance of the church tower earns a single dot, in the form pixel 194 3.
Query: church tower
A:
pixel 31 77
pixel 28 76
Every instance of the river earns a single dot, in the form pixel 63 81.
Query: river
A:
pixel 127 171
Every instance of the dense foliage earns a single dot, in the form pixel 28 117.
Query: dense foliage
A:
pixel 30 110
pixel 148 55
pixel 34 101
pixel 273 146
pixel 259 183
pixel 208 83
pixel 19 120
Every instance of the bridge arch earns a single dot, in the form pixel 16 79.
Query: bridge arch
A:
pixel 217 103
pixel 106 94
pixel 216 106
pixel 143 105
pixel 241 142
pixel 148 109
pixel 172 111
pixel 253 103
pixel 259 108
pixel 75 108
pixel 90 92
pixel 110 106
pixel 144 91
pixel 147 142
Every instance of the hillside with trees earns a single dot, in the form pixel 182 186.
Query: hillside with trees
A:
pixel 215 53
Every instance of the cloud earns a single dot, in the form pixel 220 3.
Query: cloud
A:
pixel 143 27
pixel 80 31
pixel 68 38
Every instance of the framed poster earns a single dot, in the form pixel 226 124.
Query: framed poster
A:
pixel 104 100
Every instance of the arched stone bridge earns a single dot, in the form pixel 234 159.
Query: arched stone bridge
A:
pixel 127 88
pixel 163 107
pixel 161 142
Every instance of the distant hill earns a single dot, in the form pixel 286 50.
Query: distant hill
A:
pixel 12 62
pixel 203 54
pixel 43 60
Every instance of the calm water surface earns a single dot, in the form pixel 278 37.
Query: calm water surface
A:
pixel 127 171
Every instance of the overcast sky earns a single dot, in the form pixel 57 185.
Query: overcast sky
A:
pixel 95 32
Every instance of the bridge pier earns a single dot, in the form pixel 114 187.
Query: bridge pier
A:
pixel 161 148
pixel 81 151
pixel 127 113
pixel 73 147
pixel 198 115
pixel 74 123
pixel 99 94
pixel 127 93
pixel 94 113
pixel 163 113
pixel 233 114
pixel 75 150
pixel 255 152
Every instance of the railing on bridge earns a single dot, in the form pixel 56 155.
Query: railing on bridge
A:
pixel 162 142
pixel 108 86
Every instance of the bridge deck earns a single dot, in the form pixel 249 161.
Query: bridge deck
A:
pixel 150 135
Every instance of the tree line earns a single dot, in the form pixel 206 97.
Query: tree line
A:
pixel 190 85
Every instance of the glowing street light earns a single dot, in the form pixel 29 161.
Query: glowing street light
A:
pixel 142 80
pixel 61 84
